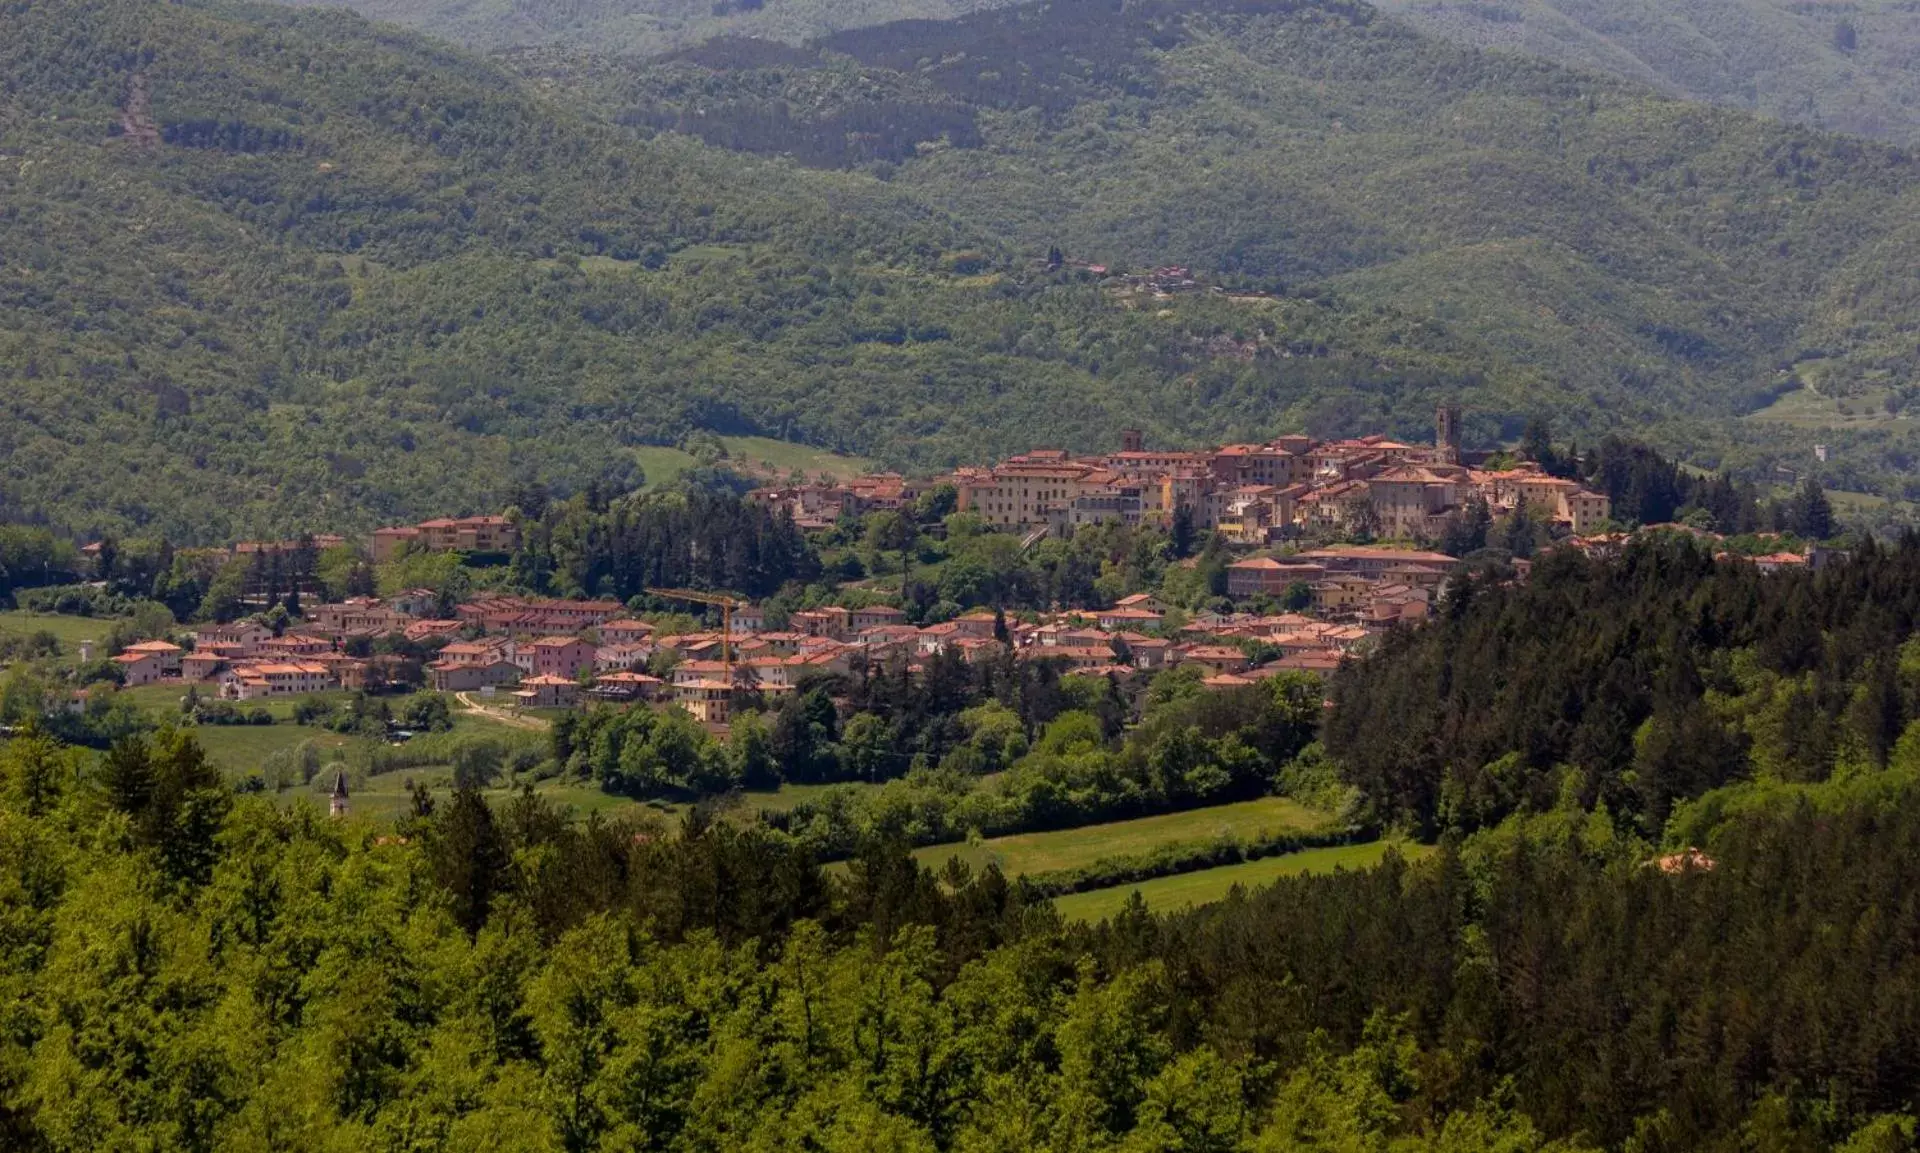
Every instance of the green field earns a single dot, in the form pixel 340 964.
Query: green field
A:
pixel 240 749
pixel 1165 894
pixel 664 464
pixel 785 456
pixel 68 630
pixel 1075 848
pixel 1808 408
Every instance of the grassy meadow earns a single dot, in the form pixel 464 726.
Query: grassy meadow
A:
pixel 1047 852
pixel 1164 894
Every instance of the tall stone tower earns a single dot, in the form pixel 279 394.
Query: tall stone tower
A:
pixel 1132 440
pixel 1446 434
pixel 337 804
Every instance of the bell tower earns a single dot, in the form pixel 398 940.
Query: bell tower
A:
pixel 337 803
pixel 1446 434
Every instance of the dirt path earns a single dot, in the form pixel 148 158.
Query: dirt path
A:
pixel 510 719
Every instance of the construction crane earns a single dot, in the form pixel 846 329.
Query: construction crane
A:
pixel 727 605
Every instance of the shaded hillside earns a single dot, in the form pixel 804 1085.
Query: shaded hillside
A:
pixel 1656 256
pixel 263 270
pixel 1848 67
pixel 643 27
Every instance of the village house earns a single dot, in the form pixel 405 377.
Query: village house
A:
pixel 708 700
pixel 624 631
pixel 361 616
pixel 240 639
pixel 1268 576
pixel 547 692
pixel 295 645
pixel 556 657
pixel 201 666
pixel 143 668
pixel 1218 658
pixel 465 677
pixel 833 622
pixel 254 681
pixel 489 534
pixel 627 686
pixel 615 658
pixel 876 616
pixel 487 651
pixel 166 652
pixel 426 630
pixel 414 602
pixel 1122 619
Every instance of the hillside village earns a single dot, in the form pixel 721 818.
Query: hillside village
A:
pixel 1292 601
pixel 1254 494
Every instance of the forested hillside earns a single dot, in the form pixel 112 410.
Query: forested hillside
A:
pixel 268 270
pixel 1667 257
pixel 643 27
pixel 1845 67
pixel 1848 67
pixel 184 967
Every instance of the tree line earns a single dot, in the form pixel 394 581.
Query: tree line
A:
pixel 182 968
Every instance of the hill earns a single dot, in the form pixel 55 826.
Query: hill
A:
pixel 643 27
pixel 1847 67
pixel 268 270
pixel 1653 257
pixel 1843 67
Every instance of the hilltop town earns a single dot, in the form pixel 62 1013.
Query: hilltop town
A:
pixel 1254 494
pixel 1320 546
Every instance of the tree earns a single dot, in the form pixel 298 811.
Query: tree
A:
pixel 1467 529
pixel 1536 443
pixel 105 561
pixel 1518 534
pixel 892 531
pixel 866 744
pixel 469 858
pixel 1182 534
pixel 1812 512
pixel 35 770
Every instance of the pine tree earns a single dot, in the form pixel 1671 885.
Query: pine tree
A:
pixel 1813 513
pixel 470 858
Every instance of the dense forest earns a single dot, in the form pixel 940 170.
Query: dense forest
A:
pixel 1844 68
pixel 183 968
pixel 1633 685
pixel 368 279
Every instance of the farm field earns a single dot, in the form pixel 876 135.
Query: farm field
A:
pixel 1165 894
pixel 1807 408
pixel 68 630
pixel 1075 848
pixel 386 797
pixel 663 464
pixel 786 456
pixel 240 749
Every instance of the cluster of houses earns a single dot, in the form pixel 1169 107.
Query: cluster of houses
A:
pixel 494 534
pixel 1354 583
pixel 556 654
pixel 1254 494
pixel 245 661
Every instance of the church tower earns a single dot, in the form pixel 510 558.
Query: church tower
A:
pixel 1446 435
pixel 337 804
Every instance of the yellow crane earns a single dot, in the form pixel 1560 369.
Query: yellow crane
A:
pixel 726 603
